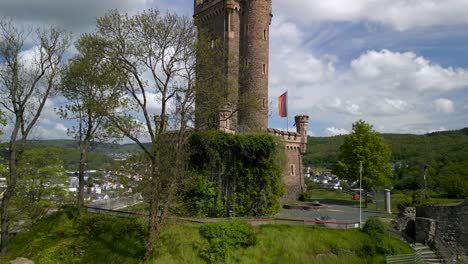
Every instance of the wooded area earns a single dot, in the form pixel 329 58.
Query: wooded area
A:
pixel 445 153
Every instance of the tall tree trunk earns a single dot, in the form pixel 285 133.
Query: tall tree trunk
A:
pixel 81 170
pixel 153 224
pixel 5 215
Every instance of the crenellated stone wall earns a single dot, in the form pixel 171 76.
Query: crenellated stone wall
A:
pixel 294 147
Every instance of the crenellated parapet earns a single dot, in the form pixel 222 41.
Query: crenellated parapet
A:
pixel 285 135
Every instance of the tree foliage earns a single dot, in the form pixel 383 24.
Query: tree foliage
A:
pixel 41 185
pixel 91 85
pixel 366 146
pixel 444 152
pixel 156 55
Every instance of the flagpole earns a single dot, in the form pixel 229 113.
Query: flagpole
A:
pixel 287 114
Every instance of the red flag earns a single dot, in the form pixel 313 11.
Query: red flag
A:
pixel 283 105
pixel 178 103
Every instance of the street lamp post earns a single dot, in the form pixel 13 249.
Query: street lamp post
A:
pixel 360 194
pixel 425 181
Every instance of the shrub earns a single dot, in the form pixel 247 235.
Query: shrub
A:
pixel 374 227
pixel 404 203
pixel 223 237
pixel 305 196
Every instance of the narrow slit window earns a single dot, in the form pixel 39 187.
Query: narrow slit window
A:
pixel 264 68
pixel 264 34
pixel 292 169
pixel 231 24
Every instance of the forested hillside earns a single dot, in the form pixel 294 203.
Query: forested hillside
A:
pixel 100 156
pixel 446 154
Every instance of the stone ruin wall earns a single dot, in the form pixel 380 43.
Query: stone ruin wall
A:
pixel 449 223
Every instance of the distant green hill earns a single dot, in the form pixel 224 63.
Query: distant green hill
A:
pixel 101 155
pixel 103 148
pixel 445 152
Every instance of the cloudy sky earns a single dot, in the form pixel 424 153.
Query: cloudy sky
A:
pixel 401 65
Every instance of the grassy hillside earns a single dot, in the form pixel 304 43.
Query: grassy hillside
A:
pixel 446 153
pixel 69 238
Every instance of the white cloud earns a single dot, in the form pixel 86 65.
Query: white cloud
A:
pixel 392 90
pixel 333 131
pixel 402 71
pixel 443 105
pixel 438 130
pixel 338 105
pixel 398 14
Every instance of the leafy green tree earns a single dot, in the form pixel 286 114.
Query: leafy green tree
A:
pixel 157 55
pixel 91 85
pixel 41 185
pixel 364 145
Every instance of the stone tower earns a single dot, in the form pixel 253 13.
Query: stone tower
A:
pixel 242 26
pixel 255 35
pixel 302 126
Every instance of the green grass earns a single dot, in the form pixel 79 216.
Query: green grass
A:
pixel 411 198
pixel 69 238
pixel 397 197
pixel 141 208
pixel 332 196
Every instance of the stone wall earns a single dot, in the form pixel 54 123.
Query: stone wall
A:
pixel 254 50
pixel 449 223
pixel 293 174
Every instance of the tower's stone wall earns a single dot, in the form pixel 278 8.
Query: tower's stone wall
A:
pixel 242 26
pixel 255 35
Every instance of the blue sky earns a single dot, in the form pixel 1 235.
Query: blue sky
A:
pixel 401 65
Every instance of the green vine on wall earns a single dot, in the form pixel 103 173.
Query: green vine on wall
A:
pixel 234 175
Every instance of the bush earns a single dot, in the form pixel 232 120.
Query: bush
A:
pixel 223 237
pixel 374 227
pixel 305 196
pixel 406 202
